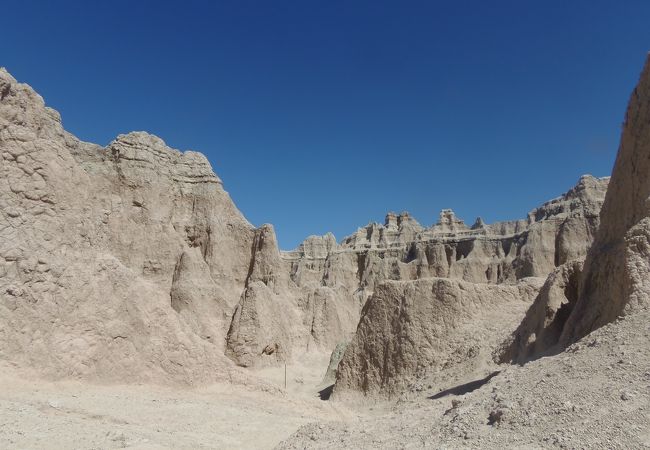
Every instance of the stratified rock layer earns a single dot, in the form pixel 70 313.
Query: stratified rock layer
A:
pixel 402 250
pixel 558 231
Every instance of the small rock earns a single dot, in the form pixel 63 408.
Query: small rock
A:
pixel 496 415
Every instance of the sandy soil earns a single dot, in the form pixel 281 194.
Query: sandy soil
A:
pixel 38 414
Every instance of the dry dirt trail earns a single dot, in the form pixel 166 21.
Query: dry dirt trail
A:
pixel 38 414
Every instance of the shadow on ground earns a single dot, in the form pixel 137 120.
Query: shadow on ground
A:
pixel 324 394
pixel 465 388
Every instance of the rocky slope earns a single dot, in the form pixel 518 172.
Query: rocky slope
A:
pixel 411 328
pixel 590 320
pixel 121 262
pixel 132 258
pixel 594 395
pixel 615 278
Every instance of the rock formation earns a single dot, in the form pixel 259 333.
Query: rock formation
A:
pixel 615 277
pixel 542 326
pixel 132 258
pixel 401 249
pixel 122 262
pixel 409 328
pixel 376 361
pixel 275 318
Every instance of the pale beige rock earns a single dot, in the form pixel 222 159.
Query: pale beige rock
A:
pixel 409 328
pixel 401 249
pixel 128 263
pixel 540 330
pixel 616 276
pixel 614 280
pixel 121 263
pixel 275 319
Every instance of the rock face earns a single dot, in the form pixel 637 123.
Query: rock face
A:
pixel 275 318
pixel 618 264
pixel 132 258
pixel 401 249
pixel 616 273
pixel 542 326
pixel 122 262
pixel 409 328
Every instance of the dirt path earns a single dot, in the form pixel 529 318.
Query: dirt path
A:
pixel 37 414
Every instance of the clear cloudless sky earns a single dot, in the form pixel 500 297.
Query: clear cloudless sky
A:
pixel 324 115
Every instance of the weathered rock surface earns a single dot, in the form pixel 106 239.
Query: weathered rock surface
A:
pixel 401 249
pixel 120 263
pixel 502 253
pixel 409 328
pixel 542 326
pixel 275 318
pixel 615 279
pixel 133 256
pixel 595 395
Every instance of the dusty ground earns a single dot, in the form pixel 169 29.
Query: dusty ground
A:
pixel 37 414
pixel 595 395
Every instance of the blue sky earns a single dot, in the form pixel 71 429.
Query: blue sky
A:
pixel 324 115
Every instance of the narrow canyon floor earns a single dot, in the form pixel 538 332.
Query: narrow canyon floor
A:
pixel 70 414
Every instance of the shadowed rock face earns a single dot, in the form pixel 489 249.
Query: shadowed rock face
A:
pixel 542 326
pixel 616 274
pixel 615 278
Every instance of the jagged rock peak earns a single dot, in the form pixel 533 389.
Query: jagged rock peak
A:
pixel 150 150
pixel 586 197
pixel 23 114
pixel 478 224
pixel 316 246
pixel 449 222
pixel 144 245
pixel 395 221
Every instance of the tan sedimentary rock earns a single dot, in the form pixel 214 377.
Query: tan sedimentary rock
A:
pixel 542 326
pixel 138 245
pixel 616 273
pixel 616 276
pixel 401 249
pixel 276 319
pixel 409 328
pixel 119 263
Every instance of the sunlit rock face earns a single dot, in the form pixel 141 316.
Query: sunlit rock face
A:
pixel 401 249
pixel 133 256
pixel 615 277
